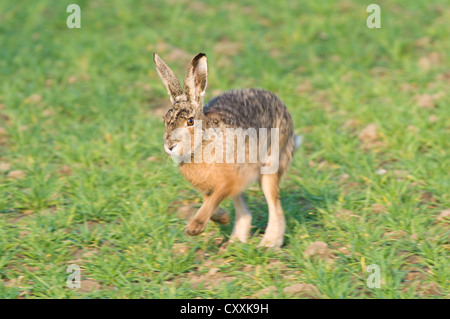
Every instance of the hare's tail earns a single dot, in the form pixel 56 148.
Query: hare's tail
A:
pixel 293 143
pixel 298 141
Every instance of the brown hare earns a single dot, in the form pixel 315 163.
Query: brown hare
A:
pixel 245 111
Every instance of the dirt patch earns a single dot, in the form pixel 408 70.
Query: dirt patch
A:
pixel 370 137
pixel 89 285
pixel 319 250
pixel 16 174
pixel 345 214
pixel 444 216
pixel 425 101
pixel 427 198
pixel 65 170
pixel 433 119
pixel 81 256
pixel 212 279
pixel 394 235
pixel 4 166
pixel 3 136
pixel 181 248
pixel 33 99
pixel 351 124
pixel 302 290
pixel 378 208
pixel 265 292
pixel 429 101
pixel 429 61
pixel 345 250
pixel 177 54
pixel 430 289
pixel 227 48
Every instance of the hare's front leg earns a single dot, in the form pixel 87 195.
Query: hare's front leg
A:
pixel 210 205
pixel 273 236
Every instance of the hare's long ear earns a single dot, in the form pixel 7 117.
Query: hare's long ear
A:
pixel 196 79
pixel 168 78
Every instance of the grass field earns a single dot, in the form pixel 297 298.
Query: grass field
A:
pixel 84 178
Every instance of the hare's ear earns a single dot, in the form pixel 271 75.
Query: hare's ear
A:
pixel 196 79
pixel 168 78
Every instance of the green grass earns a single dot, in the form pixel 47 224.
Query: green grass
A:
pixel 80 117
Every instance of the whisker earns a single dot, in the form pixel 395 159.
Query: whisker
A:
pixel 159 147
pixel 163 164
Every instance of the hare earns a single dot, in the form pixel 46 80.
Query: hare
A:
pixel 244 109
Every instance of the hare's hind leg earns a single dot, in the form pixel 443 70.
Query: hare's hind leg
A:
pixel 243 219
pixel 220 216
pixel 273 236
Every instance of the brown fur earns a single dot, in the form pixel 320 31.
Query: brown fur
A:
pixel 245 108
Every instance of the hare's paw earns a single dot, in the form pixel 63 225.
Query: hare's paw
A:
pixel 220 216
pixel 274 243
pixel 195 228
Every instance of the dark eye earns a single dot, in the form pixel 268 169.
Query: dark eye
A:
pixel 190 122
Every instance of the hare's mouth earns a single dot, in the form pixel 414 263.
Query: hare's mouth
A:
pixel 176 152
pixel 174 149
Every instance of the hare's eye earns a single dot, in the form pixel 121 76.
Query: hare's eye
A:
pixel 190 122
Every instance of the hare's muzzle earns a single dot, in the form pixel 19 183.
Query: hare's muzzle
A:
pixel 172 149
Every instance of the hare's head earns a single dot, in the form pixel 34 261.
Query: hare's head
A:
pixel 187 107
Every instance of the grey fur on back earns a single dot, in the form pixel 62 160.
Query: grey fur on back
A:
pixel 249 108
pixel 255 108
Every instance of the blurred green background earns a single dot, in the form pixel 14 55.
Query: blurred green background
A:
pixel 84 178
